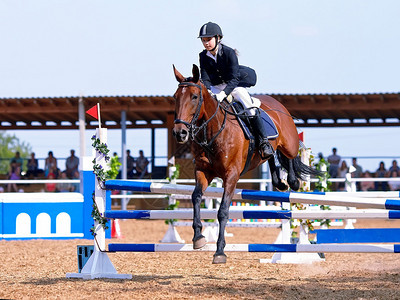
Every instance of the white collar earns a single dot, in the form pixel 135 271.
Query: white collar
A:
pixel 212 56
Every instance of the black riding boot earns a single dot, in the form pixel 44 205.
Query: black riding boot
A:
pixel 265 148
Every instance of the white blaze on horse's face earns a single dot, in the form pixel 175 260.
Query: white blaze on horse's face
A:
pixel 186 101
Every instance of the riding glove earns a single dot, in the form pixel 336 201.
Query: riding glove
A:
pixel 220 96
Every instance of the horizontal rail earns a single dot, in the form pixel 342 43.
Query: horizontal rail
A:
pixel 187 214
pixel 299 248
pixel 243 194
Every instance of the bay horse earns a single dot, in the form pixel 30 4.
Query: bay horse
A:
pixel 220 148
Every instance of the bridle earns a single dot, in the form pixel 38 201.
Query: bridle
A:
pixel 192 127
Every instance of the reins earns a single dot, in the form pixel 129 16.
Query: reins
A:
pixel 194 130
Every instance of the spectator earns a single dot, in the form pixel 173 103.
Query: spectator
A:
pixel 130 165
pixel 394 185
pixel 63 186
pixel 381 172
pixel 358 173
pixel 334 161
pixel 1 189
pixel 32 166
pixel 18 161
pixel 394 167
pixel 343 170
pixel 367 185
pixel 141 165
pixel 76 186
pixel 14 173
pixel 50 187
pixel 71 165
pixel 50 165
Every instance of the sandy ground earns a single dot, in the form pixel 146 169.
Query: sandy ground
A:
pixel 36 270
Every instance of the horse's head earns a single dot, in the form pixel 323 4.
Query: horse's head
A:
pixel 188 104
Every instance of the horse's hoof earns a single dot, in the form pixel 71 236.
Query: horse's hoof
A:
pixel 281 187
pixel 219 259
pixel 200 243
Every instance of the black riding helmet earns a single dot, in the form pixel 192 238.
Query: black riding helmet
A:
pixel 210 29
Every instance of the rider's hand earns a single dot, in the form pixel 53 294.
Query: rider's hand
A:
pixel 220 96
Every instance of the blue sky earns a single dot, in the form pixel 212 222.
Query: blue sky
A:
pixel 68 48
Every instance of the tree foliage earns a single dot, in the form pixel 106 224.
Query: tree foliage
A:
pixel 9 144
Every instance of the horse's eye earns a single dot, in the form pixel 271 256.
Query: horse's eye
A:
pixel 194 97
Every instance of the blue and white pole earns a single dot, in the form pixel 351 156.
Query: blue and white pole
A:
pixel 243 194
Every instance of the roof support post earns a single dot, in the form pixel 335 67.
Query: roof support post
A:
pixel 124 201
pixel 153 148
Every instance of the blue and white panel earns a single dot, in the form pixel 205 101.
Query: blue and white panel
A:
pixel 41 215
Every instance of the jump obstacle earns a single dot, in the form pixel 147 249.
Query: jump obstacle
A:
pixel 99 265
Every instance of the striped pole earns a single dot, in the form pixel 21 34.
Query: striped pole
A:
pixel 371 194
pixel 243 194
pixel 187 214
pixel 298 248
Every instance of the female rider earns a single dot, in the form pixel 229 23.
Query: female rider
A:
pixel 222 75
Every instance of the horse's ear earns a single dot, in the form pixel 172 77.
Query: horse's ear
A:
pixel 178 75
pixel 196 73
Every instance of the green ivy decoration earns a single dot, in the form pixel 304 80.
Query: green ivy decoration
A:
pixel 322 185
pixel 102 176
pixel 97 217
pixel 174 176
pixel 176 173
pixel 101 148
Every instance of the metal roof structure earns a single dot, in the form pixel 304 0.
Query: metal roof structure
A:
pixel 310 110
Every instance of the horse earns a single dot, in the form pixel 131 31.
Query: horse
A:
pixel 220 148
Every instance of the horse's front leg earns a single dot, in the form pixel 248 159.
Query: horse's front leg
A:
pixel 223 216
pixel 202 182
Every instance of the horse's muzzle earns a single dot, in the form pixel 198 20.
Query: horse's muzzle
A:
pixel 181 135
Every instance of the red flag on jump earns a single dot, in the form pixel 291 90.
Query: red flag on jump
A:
pixel 301 136
pixel 93 112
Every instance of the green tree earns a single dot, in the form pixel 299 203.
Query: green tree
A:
pixel 9 144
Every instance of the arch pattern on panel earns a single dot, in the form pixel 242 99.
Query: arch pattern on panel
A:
pixel 63 224
pixel 23 224
pixel 43 224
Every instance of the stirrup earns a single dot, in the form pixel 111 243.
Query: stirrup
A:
pixel 266 149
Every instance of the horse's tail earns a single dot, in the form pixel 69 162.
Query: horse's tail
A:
pixel 300 169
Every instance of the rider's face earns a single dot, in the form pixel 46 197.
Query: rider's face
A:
pixel 208 43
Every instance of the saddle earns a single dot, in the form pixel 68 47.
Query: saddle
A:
pixel 242 116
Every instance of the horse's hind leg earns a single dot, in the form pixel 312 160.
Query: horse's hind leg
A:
pixel 291 178
pixel 275 176
pixel 294 183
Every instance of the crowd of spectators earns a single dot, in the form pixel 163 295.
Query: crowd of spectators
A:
pixel 338 168
pixel 136 168
pixel 51 171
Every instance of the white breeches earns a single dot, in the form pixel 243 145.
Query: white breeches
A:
pixel 239 94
